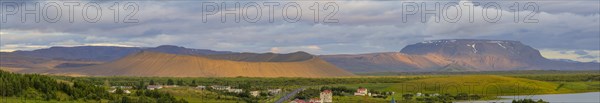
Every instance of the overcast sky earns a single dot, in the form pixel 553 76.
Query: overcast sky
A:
pixel 559 29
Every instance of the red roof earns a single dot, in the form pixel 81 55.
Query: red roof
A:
pixel 326 91
pixel 299 101
pixel 362 89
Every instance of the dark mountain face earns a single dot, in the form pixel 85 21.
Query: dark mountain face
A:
pixel 108 53
pixel 469 47
pixel 92 53
pixel 472 48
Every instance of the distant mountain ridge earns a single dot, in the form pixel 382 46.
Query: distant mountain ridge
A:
pixel 147 63
pixel 456 55
pixel 435 55
pixel 108 53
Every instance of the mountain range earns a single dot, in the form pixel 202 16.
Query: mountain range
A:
pixel 456 55
pixel 147 63
pixel 167 60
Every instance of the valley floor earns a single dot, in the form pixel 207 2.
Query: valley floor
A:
pixel 416 88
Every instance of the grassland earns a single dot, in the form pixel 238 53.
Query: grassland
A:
pixel 487 85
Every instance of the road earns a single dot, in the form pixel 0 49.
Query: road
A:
pixel 290 95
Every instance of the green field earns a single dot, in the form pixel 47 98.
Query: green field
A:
pixel 482 86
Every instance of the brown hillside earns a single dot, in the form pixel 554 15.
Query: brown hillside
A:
pixel 171 65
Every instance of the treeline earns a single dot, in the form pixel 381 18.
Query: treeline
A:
pixel 34 86
pixel 40 87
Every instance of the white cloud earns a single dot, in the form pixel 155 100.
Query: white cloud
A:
pixel 308 48
pixel 588 56
pixel 365 26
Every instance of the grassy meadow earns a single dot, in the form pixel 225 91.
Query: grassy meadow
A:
pixel 483 86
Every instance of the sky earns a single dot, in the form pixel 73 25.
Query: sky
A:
pixel 568 29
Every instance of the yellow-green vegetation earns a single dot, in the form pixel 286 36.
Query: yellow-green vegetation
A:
pixel 589 86
pixel 193 95
pixel 452 87
pixel 488 86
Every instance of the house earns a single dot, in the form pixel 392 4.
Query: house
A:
pixel 153 87
pixel 326 96
pixel 169 86
pixel 361 92
pixel 201 87
pixel 126 91
pixel 122 87
pixel 297 101
pixel 255 93
pixel 274 91
pixel 315 100
pixel 419 94
pixel 112 91
pixel 217 87
pixel 236 90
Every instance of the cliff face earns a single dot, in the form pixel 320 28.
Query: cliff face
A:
pixel 457 55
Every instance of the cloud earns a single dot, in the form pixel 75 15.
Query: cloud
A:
pixel 308 48
pixel 577 55
pixel 580 52
pixel 364 26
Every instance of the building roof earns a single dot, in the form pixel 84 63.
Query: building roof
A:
pixel 326 91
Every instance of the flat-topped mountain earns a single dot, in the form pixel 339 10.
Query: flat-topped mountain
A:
pixel 472 47
pixel 263 57
pixel 147 63
pixel 108 53
pixel 456 55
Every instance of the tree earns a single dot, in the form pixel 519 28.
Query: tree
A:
pixel 152 82
pixel 407 96
pixel 125 99
pixel 194 83
pixel 106 84
pixel 170 82
pixel 119 91
pixel 141 85
pixel 180 82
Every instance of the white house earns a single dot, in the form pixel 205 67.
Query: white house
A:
pixel 122 87
pixel 274 91
pixel 255 93
pixel 236 90
pixel 216 87
pixel 200 87
pixel 153 87
pixel 326 96
pixel 361 92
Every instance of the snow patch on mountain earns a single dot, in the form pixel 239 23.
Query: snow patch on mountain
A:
pixel 473 46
